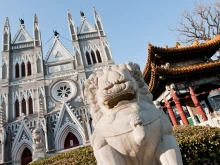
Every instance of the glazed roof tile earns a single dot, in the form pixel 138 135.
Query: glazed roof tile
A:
pixel 207 48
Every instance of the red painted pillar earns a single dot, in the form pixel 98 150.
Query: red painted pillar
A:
pixel 197 103
pixel 179 107
pixel 170 111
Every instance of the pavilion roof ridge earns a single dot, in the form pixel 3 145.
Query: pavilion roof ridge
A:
pixel 195 44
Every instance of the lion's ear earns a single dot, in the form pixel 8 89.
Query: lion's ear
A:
pixel 137 75
pixel 92 89
pixel 91 85
pixel 134 70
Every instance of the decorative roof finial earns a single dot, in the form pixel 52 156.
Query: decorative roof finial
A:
pixel 82 14
pixel 21 21
pixel 56 34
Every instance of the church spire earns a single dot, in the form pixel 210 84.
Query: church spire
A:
pixel 72 28
pixel 6 36
pixel 98 22
pixel 35 19
pixel 37 33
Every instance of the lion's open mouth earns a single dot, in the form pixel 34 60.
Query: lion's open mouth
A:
pixel 120 100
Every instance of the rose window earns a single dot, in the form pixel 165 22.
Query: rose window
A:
pixel 63 90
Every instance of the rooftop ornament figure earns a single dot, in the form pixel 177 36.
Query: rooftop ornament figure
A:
pixel 82 14
pixel 56 33
pixel 39 148
pixel 21 21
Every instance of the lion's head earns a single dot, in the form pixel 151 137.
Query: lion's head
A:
pixel 37 134
pixel 114 87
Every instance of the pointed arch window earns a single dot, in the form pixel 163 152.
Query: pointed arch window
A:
pixel 29 68
pixel 23 104
pixel 16 108
pixel 98 56
pixel 99 25
pixel 38 65
pixel 72 32
pixel 36 37
pixel 88 58
pixel 4 71
pixel 17 70
pixel 30 105
pixel 107 53
pixel 93 57
pixel 36 34
pixel 22 69
pixel 5 39
pixel 72 29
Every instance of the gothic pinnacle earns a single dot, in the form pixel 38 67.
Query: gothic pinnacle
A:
pixel 95 12
pixel 69 15
pixel 7 22
pixel 35 18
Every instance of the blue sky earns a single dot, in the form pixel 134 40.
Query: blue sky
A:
pixel 130 25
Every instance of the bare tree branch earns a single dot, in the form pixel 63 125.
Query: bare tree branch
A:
pixel 200 24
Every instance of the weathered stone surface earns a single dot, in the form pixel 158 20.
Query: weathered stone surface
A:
pixel 129 129
pixel 39 148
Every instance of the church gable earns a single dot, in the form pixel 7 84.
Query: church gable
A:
pixel 66 119
pixel 67 116
pixel 58 53
pixel 86 27
pixel 23 134
pixel 22 36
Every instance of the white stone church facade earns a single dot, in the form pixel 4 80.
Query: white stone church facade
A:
pixel 48 91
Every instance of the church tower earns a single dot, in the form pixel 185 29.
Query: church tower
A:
pixel 90 43
pixel 5 49
pixel 49 92
pixel 22 83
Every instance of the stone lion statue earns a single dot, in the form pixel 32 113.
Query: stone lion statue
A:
pixel 39 148
pixel 129 129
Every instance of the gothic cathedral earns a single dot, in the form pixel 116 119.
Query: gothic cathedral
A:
pixel 48 92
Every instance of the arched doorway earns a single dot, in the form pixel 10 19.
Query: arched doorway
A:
pixel 70 141
pixel 26 157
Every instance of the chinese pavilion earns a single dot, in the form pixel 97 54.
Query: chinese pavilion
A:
pixel 185 80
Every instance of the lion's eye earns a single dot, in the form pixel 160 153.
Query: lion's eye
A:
pixel 92 90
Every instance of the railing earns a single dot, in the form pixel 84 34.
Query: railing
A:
pixel 89 35
pixel 22 45
pixel 213 122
